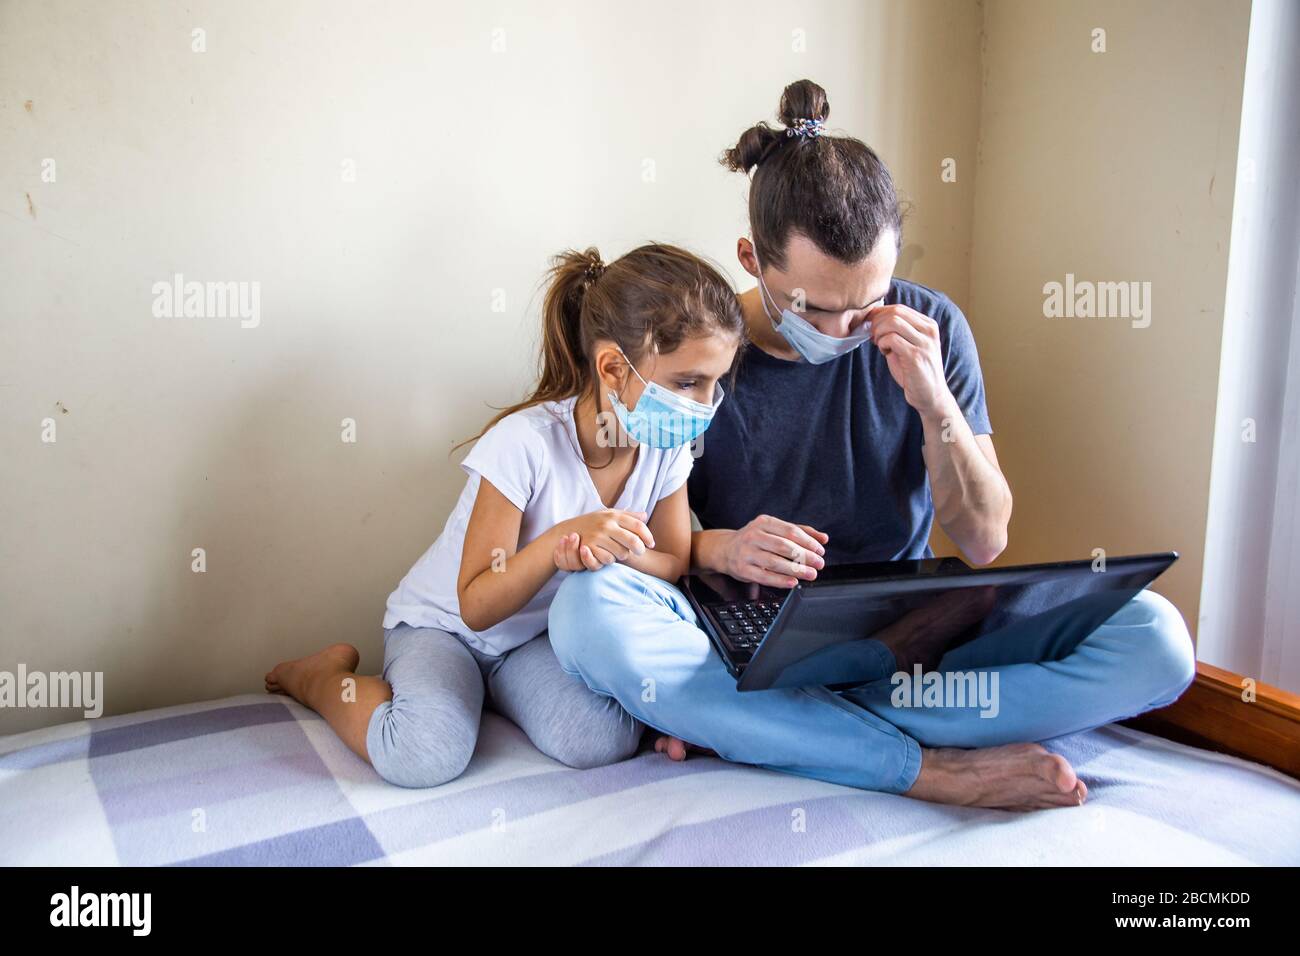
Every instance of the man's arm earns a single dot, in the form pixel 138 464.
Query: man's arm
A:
pixel 709 549
pixel 972 499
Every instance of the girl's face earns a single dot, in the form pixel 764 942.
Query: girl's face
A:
pixel 692 370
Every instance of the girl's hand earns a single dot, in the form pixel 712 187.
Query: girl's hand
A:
pixel 602 537
pixel 571 555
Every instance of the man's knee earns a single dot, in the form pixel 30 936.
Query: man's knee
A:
pixel 581 610
pixel 1169 658
pixel 565 623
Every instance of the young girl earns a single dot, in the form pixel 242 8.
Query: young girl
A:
pixel 589 470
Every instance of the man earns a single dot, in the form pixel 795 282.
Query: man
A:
pixel 858 416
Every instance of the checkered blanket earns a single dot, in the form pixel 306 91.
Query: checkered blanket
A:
pixel 258 779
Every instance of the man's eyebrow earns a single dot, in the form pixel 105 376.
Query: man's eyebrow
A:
pixel 814 308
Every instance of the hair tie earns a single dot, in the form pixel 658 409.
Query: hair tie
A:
pixel 811 128
pixel 595 269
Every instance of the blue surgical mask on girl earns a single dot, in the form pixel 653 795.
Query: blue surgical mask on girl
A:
pixel 661 418
pixel 814 346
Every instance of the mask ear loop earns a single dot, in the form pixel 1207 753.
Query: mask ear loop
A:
pixel 634 372
pixel 763 294
pixel 617 395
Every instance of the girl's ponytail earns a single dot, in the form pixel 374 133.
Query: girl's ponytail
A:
pixel 563 371
pixel 563 368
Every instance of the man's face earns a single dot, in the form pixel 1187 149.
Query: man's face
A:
pixel 833 296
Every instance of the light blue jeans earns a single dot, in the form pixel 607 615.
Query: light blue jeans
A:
pixel 633 637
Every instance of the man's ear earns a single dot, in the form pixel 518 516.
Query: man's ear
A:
pixel 745 253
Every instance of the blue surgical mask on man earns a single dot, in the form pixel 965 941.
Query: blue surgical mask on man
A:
pixel 663 419
pixel 814 346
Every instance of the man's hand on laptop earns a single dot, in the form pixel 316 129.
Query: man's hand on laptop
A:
pixel 774 552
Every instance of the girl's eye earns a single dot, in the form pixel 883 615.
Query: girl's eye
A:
pixel 686 386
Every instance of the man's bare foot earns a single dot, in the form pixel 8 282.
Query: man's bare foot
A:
pixel 923 635
pixel 297 677
pixel 676 748
pixel 1010 777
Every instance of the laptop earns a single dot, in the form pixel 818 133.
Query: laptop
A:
pixel 829 632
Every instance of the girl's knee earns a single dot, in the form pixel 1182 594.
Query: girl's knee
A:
pixel 595 744
pixel 410 752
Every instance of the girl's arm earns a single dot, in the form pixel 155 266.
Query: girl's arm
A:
pixel 670 523
pixel 669 556
pixel 496 580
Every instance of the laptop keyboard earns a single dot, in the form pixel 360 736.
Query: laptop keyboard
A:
pixel 745 622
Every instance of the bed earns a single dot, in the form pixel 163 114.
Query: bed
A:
pixel 260 780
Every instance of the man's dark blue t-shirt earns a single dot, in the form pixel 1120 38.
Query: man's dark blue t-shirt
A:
pixel 834 446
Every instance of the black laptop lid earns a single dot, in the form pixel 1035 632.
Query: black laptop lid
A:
pixel 1030 613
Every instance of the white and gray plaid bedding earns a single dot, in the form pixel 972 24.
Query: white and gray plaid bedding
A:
pixel 259 779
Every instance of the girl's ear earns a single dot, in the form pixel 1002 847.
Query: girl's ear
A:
pixel 611 368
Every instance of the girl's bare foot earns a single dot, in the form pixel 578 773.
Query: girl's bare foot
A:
pixel 296 678
pixel 1010 777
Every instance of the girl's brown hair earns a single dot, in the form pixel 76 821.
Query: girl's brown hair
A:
pixel 649 300
pixel 833 189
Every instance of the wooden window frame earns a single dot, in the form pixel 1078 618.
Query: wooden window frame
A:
pixel 1211 714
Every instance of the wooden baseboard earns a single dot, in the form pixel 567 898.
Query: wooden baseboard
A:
pixel 1212 714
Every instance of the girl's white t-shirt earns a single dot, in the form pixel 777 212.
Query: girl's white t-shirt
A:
pixel 533 458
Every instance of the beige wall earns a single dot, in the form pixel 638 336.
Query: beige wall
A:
pixel 471 168
pixel 1112 166
pixel 376 295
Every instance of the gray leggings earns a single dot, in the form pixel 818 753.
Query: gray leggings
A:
pixel 426 734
